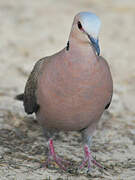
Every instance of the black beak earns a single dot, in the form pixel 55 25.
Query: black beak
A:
pixel 95 43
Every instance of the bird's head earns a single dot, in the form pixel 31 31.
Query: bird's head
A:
pixel 86 26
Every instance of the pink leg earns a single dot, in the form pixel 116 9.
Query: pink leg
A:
pixel 89 159
pixel 52 155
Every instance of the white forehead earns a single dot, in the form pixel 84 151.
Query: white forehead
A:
pixel 90 23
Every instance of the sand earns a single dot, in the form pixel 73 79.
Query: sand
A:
pixel 30 30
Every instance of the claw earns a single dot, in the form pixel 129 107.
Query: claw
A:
pixel 88 159
pixel 52 156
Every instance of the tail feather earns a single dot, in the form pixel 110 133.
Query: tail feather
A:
pixel 19 97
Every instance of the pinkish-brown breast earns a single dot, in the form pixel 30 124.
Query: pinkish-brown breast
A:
pixel 72 94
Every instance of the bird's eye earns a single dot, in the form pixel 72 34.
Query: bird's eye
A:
pixel 79 25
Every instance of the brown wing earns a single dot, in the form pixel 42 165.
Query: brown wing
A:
pixel 29 97
pixel 107 106
pixel 110 81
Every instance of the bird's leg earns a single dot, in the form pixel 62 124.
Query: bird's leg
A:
pixel 52 155
pixel 87 139
pixel 88 159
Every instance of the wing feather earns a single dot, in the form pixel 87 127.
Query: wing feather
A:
pixel 29 98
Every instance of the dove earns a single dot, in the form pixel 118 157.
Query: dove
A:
pixel 70 90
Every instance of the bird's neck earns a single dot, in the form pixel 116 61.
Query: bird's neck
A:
pixel 81 49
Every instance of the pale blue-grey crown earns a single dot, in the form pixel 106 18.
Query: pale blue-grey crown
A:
pixel 90 23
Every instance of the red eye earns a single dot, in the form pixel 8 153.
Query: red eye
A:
pixel 79 25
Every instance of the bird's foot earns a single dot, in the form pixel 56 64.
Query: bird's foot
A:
pixel 88 159
pixel 53 157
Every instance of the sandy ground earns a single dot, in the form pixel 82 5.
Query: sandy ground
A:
pixel 33 29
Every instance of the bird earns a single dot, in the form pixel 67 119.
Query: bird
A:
pixel 70 90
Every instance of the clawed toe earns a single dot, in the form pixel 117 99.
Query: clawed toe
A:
pixel 53 157
pixel 89 159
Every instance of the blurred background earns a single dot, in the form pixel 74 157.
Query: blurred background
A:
pixel 30 30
